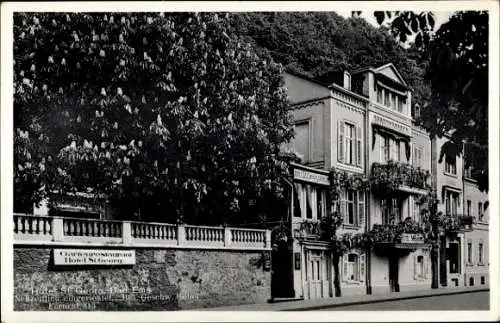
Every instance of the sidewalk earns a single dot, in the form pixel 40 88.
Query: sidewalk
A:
pixel 304 305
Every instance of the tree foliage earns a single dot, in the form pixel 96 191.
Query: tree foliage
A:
pixel 318 44
pixel 168 115
pixel 458 72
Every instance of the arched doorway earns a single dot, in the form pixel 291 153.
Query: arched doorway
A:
pixel 282 263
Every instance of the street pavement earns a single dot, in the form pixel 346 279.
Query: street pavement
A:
pixel 478 301
pixel 460 298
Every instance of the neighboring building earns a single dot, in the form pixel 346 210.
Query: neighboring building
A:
pixel 447 176
pixel 476 259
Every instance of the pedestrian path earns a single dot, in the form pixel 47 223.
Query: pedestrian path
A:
pixel 316 304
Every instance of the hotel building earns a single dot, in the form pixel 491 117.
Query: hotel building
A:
pixel 362 124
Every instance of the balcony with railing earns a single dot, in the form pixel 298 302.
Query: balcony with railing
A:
pixel 29 229
pixel 454 223
pixel 307 229
pixel 399 177
pixel 407 234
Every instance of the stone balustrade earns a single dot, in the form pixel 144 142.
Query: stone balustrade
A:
pixel 30 229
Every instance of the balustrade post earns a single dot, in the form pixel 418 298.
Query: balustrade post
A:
pixel 227 236
pixel 181 234
pixel 267 242
pixel 126 232
pixel 57 229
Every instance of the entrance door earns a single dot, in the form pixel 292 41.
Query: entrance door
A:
pixel 282 271
pixel 394 273
pixel 454 257
pixel 315 274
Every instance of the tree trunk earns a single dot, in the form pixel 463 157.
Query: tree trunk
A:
pixel 434 263
pixel 336 276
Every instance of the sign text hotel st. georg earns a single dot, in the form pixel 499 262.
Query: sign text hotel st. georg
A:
pixel 93 257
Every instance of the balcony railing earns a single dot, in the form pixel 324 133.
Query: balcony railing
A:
pixel 456 223
pixel 307 229
pixel 406 232
pixel 29 229
pixel 395 176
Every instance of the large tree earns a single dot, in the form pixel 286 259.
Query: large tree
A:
pixel 167 115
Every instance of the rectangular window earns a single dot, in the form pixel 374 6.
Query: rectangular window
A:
pixel 480 211
pixel 349 143
pixel 420 267
pixel 396 150
pixel 451 203
pixel 396 210
pixel 352 267
pixel 416 211
pixel 379 95
pixel 301 140
pixel 469 204
pixel 320 206
pixel 386 99
pixel 309 202
pixel 450 168
pixel 384 149
pixel 418 153
pixel 400 104
pixel 469 253
pixel 351 216
pixel 354 207
pixel 385 211
pixel 391 210
pixel 480 253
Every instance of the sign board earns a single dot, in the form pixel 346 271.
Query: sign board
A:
pixel 412 238
pixel 266 257
pixel 390 124
pixel 93 257
pixel 310 177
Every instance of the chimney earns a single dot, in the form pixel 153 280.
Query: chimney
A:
pixel 347 80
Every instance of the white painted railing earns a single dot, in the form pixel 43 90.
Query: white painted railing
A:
pixel 29 229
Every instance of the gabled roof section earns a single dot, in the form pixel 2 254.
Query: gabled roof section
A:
pixel 392 72
pixel 387 71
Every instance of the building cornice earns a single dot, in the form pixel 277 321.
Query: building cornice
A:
pixel 309 103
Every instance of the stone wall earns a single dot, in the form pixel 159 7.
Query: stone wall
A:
pixel 161 279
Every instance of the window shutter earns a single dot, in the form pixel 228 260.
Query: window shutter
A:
pixel 345 268
pixel 340 145
pixel 415 267
pixel 362 267
pixel 358 147
pixel 361 208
